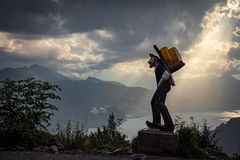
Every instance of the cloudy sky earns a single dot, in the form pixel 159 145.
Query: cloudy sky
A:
pixel 111 39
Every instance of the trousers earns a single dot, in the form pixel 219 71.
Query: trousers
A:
pixel 158 106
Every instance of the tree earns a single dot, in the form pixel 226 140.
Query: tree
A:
pixel 25 109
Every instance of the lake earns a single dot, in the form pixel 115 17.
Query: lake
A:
pixel 132 125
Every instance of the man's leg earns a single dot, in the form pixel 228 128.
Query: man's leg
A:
pixel 155 108
pixel 168 123
pixel 155 111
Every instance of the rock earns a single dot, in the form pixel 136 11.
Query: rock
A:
pixel 72 151
pixel 58 144
pixel 104 152
pixel 118 151
pixel 212 158
pixel 156 142
pixel 53 149
pixel 45 149
pixel 37 149
pixel 130 151
pixel 138 156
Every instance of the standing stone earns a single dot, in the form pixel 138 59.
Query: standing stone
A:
pixel 156 142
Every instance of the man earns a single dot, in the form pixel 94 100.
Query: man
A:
pixel 158 100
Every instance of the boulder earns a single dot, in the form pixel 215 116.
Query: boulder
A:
pixel 53 149
pixel 138 156
pixel 45 149
pixel 156 142
pixel 37 149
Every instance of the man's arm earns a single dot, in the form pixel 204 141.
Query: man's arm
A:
pixel 164 78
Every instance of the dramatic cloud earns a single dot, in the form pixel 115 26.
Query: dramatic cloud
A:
pixel 30 17
pixel 71 51
pixel 112 39
pixel 209 54
pixel 234 53
pixel 136 24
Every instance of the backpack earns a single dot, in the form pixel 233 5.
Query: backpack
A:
pixel 171 57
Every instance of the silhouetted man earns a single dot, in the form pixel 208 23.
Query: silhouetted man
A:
pixel 158 100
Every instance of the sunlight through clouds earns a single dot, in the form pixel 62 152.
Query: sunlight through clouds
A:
pixel 133 73
pixel 227 115
pixel 232 114
pixel 206 56
pixel 100 52
pixel 104 34
pixel 209 54
pixel 207 59
pixel 8 44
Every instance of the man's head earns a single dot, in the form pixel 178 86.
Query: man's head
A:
pixel 153 61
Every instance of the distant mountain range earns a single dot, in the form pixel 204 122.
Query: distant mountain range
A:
pixel 35 70
pixel 228 135
pixel 88 101
pixel 91 100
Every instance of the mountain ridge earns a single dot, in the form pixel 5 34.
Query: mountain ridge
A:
pixel 228 136
pixel 92 98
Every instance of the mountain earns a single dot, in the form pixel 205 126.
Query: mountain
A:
pixel 94 99
pixel 205 94
pixel 88 101
pixel 91 100
pixel 228 135
pixel 36 71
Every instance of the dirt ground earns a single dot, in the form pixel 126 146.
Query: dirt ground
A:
pixel 47 156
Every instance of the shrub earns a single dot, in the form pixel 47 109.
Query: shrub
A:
pixel 24 111
pixel 195 141
pixel 109 137
pixel 236 156
pixel 72 138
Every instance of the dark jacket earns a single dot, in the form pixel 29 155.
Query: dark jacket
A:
pixel 159 70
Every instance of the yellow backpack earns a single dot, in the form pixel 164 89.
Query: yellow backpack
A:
pixel 171 57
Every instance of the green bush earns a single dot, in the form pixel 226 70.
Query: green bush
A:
pixel 236 156
pixel 72 138
pixel 195 141
pixel 108 137
pixel 25 111
pixel 45 138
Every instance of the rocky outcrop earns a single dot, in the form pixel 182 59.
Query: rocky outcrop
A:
pixel 156 142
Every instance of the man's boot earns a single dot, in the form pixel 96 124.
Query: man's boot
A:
pixel 152 125
pixel 166 128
